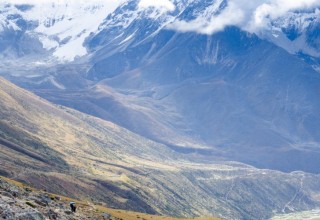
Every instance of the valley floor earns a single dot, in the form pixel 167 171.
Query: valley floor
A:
pixel 307 215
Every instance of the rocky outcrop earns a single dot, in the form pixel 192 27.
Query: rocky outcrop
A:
pixel 27 204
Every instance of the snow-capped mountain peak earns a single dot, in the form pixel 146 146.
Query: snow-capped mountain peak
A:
pixel 292 32
pixel 61 26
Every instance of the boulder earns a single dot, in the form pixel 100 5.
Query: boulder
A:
pixel 106 216
pixel 52 215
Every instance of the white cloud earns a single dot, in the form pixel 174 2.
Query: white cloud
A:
pixel 162 4
pixel 250 15
pixel 230 16
pixel 276 8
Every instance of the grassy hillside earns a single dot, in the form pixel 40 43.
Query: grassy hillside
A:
pixel 72 154
pixel 57 148
pixel 67 152
pixel 59 205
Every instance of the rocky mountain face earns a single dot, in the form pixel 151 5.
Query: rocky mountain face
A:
pixel 19 203
pixel 297 33
pixel 49 32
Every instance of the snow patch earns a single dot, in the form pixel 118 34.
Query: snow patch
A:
pixel 163 4
pixel 47 43
pixel 128 38
pixel 63 25
pixel 74 22
pixel 71 50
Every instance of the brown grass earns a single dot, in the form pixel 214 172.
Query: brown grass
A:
pixel 98 210
pixel 128 215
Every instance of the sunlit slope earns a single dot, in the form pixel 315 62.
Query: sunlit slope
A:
pixel 17 199
pixel 70 153
pixel 41 143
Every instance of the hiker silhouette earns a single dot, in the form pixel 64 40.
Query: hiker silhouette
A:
pixel 73 206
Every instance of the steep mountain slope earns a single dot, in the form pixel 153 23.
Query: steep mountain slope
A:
pixel 219 95
pixel 210 94
pixel 70 153
pixel 241 72
pixel 19 201
pixel 39 136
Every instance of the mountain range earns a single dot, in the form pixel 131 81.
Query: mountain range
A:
pixel 190 84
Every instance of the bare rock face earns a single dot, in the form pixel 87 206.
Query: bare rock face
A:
pixel 25 204
pixel 16 207
pixel 13 209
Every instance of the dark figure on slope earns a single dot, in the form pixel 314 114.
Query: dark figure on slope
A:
pixel 73 206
